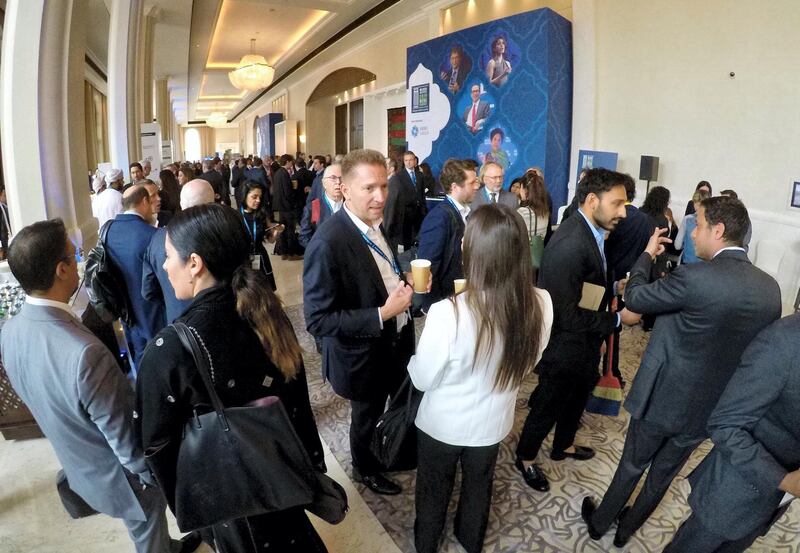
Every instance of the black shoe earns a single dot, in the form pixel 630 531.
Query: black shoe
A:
pixel 380 484
pixel 533 475
pixel 621 539
pixel 581 454
pixel 187 544
pixel 587 510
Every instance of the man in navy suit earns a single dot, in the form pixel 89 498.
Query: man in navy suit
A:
pixel 319 210
pixel 156 287
pixel 126 243
pixel 751 476
pixel 405 205
pixel 443 229
pixel 357 301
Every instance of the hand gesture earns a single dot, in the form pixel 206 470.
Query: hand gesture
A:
pixel 397 302
pixel 656 245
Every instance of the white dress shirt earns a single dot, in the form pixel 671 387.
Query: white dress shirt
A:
pixel 335 206
pixel 462 209
pixel 460 406
pixel 390 279
pixel 106 205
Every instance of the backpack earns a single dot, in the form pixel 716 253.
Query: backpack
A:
pixel 105 285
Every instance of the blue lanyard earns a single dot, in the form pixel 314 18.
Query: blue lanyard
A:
pixel 379 251
pixel 327 201
pixel 453 204
pixel 253 233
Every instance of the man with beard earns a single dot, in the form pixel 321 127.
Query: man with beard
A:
pixel 567 371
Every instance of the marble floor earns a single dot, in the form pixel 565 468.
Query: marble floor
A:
pixel 33 520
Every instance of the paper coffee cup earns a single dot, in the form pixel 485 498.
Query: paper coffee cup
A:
pixel 459 284
pixel 421 270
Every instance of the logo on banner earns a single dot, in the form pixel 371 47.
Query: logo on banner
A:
pixel 430 111
pixel 420 98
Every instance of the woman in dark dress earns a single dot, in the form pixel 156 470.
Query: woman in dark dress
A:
pixel 255 216
pixel 253 352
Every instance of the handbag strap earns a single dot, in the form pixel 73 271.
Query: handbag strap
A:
pixel 190 343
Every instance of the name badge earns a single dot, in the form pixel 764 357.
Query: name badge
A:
pixel 255 262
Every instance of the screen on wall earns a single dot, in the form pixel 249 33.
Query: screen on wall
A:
pixel 500 91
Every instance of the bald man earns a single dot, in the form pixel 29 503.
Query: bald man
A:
pixel 155 284
pixel 126 243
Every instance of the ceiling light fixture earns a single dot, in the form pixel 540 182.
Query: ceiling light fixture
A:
pixel 253 72
pixel 217 119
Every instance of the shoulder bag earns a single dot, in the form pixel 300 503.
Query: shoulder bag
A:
pixel 536 241
pixel 394 439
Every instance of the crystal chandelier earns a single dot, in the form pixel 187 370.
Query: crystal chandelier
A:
pixel 253 72
pixel 216 119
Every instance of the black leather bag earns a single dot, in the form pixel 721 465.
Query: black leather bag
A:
pixel 105 286
pixel 238 461
pixel 394 441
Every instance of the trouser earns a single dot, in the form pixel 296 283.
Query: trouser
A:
pixel 288 243
pixel 363 418
pixel 645 444
pixel 694 537
pixel 436 474
pixel 557 401
pixel 150 535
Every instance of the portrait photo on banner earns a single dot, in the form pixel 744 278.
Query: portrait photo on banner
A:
pixel 477 107
pixel 499 58
pixel 497 147
pixel 455 68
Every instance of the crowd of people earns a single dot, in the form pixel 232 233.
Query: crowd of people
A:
pixel 507 296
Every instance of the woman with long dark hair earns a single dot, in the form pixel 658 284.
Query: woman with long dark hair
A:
pixel 472 356
pixel 185 173
pixel 253 353
pixel 702 185
pixel 534 206
pixel 170 192
pixel 256 218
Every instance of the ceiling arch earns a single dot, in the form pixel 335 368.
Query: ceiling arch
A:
pixel 339 81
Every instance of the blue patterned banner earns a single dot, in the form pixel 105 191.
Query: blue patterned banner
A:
pixel 499 91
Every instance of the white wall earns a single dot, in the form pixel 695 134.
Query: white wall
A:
pixel 376 122
pixel 652 78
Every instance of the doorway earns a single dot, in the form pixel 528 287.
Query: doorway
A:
pixel 341 129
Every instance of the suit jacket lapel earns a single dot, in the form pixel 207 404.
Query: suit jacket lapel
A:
pixel 590 237
pixel 363 253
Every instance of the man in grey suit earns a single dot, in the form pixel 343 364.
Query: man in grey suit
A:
pixel 747 481
pixel 76 391
pixel 492 190
pixel 708 313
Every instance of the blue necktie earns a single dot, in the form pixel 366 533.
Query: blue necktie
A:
pixel 413 177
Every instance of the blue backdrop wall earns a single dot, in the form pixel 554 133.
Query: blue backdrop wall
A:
pixel 520 71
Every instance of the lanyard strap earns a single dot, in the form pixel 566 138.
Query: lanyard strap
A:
pixel 328 202
pixel 253 232
pixel 454 206
pixel 379 251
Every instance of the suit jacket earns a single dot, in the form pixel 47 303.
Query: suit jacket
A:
pixel 343 291
pixel 307 228
pixel 82 402
pixel 708 313
pixel 570 259
pixel 463 71
pixel 481 113
pixel 405 208
pixel 756 436
pixel 440 242
pixel 317 190
pixel 627 241
pixel 503 197
pixel 282 191
pixel 156 287
pixel 218 184
pixel 126 243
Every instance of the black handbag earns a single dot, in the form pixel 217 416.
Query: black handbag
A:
pixel 394 441
pixel 238 461
pixel 73 503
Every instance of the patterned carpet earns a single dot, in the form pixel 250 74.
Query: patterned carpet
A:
pixel 523 520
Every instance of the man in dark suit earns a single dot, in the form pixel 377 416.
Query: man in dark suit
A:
pixel 321 209
pixel 318 168
pixel 623 247
pixel 568 368
pixel 460 66
pixel 747 481
pixel 405 206
pixel 356 300
pixel 708 313
pixel 126 243
pixel 477 112
pixel 283 202
pixel 492 190
pixel 443 229
pixel 156 286
pixel 217 183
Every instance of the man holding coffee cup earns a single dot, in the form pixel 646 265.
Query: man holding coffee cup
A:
pixel 443 229
pixel 356 299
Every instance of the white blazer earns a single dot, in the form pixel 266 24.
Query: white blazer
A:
pixel 460 406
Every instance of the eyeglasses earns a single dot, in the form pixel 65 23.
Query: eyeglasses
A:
pixel 493 177
pixel 334 178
